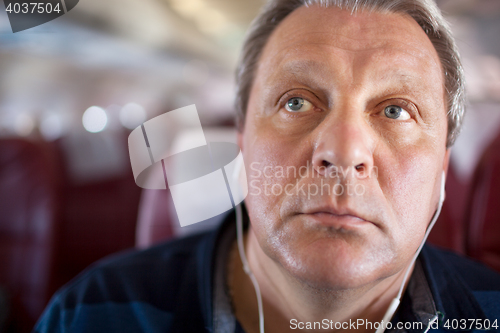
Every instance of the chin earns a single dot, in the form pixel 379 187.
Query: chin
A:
pixel 337 262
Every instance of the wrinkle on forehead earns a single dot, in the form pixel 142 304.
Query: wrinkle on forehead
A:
pixel 358 32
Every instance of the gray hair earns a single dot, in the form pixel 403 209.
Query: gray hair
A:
pixel 424 12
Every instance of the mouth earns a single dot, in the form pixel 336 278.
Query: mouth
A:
pixel 336 221
pixel 328 217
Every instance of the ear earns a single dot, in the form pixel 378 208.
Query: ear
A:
pixel 446 161
pixel 239 137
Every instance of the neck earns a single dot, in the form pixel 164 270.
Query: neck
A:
pixel 288 301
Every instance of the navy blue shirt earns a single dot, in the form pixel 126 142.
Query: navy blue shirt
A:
pixel 170 288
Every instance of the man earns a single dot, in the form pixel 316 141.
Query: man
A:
pixel 347 111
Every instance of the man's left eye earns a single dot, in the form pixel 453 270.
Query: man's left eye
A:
pixel 396 112
pixel 298 104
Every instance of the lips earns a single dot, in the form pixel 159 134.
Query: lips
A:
pixel 336 221
pixel 337 218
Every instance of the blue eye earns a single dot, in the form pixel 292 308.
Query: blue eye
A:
pixel 396 112
pixel 298 104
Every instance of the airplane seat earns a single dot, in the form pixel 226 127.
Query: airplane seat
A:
pixel 483 216
pixel 28 226
pixel 449 232
pixel 157 219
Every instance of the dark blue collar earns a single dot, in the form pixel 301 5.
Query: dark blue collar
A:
pixel 454 299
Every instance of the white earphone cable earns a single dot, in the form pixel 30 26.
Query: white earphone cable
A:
pixel 246 267
pixel 395 302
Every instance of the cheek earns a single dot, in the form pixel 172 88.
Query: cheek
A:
pixel 408 182
pixel 272 162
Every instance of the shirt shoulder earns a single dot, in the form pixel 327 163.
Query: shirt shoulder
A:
pixel 474 274
pixel 463 288
pixel 136 291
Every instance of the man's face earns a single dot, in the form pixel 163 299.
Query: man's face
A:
pixel 362 96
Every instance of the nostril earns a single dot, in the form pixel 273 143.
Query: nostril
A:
pixel 323 167
pixel 361 171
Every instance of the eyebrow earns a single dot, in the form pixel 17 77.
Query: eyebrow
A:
pixel 308 72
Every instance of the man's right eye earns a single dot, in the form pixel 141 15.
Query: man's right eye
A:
pixel 298 104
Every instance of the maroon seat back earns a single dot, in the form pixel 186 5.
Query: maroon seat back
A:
pixel 98 216
pixel 155 222
pixel 28 224
pixel 157 219
pixel 483 217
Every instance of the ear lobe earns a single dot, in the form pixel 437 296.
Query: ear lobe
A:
pixel 239 136
pixel 446 161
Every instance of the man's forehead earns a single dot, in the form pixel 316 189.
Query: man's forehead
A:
pixel 312 32
pixel 289 68
pixel 361 26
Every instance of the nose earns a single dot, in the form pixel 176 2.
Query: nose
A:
pixel 343 147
